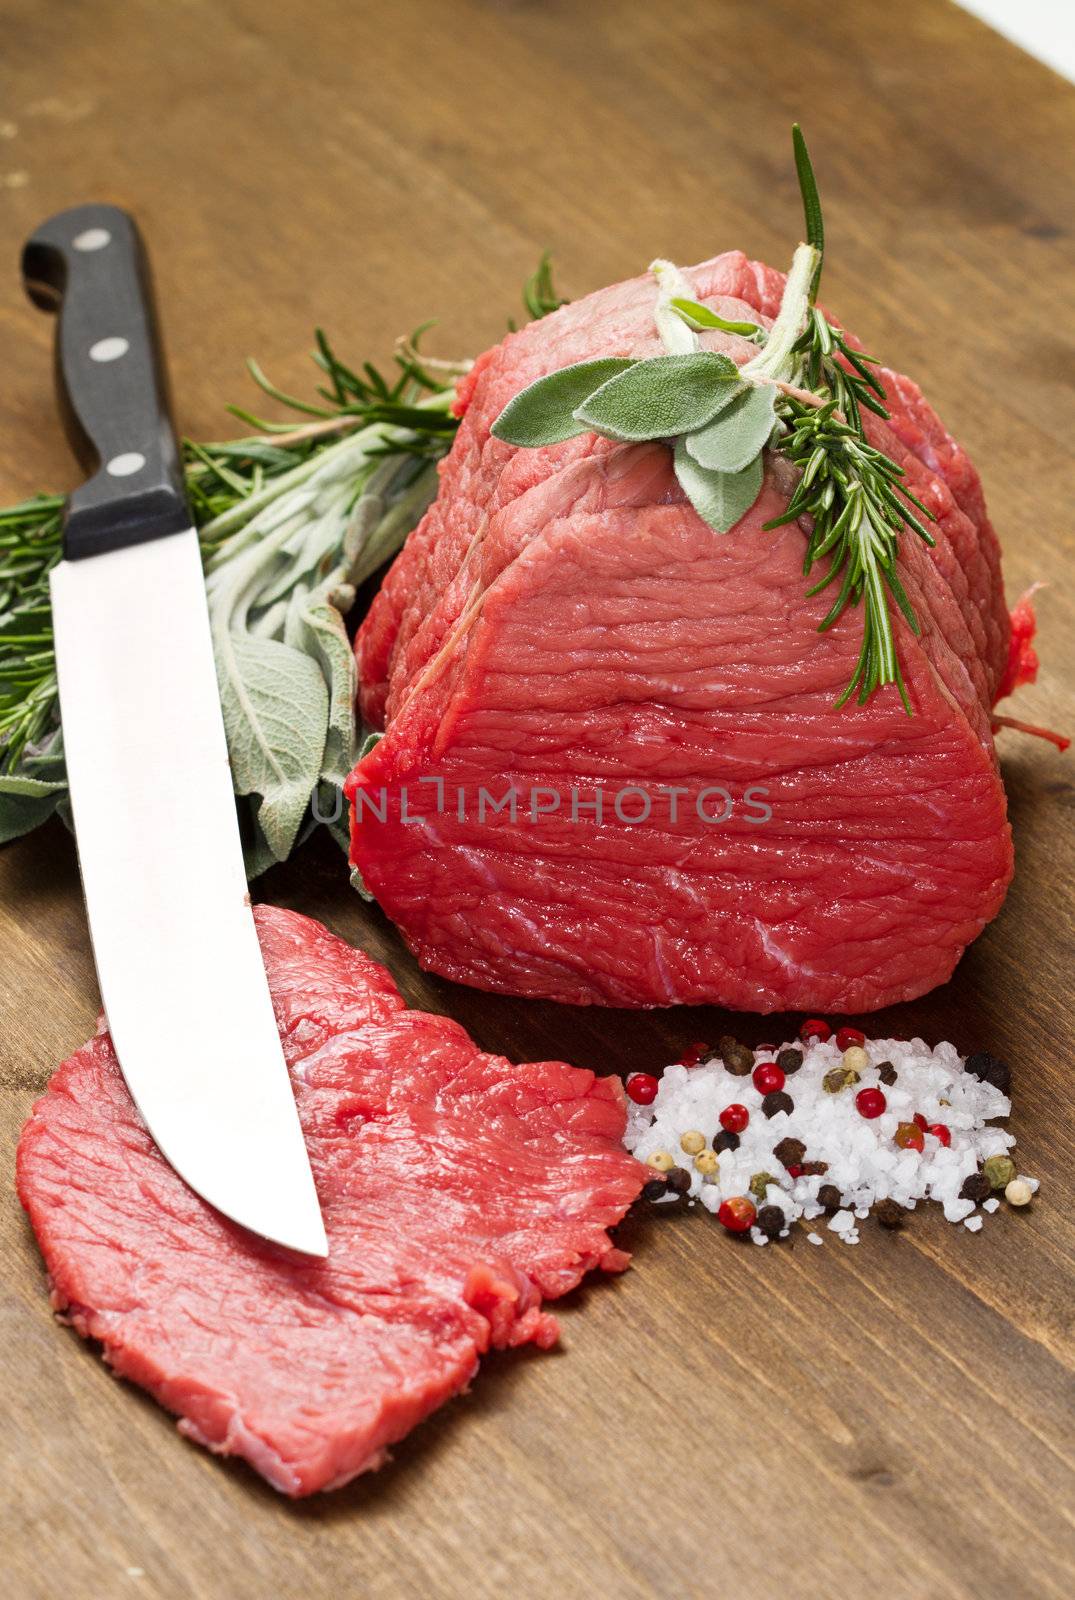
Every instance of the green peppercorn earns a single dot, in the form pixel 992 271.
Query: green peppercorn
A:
pixel 838 1079
pixel 759 1183
pixel 1000 1170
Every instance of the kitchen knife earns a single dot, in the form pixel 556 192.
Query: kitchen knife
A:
pixel 177 954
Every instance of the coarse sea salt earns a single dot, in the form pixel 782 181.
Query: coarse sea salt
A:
pixel 862 1161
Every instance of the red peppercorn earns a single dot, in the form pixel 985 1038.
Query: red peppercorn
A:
pixel 920 1122
pixel 734 1118
pixel 846 1037
pixel 737 1214
pixel 642 1088
pixel 815 1028
pixel 693 1054
pixel 795 1170
pixel 768 1078
pixel 870 1103
pixel 909 1136
pixel 939 1131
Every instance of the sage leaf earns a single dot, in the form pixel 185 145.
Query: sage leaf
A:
pixel 275 704
pixel 720 498
pixel 736 434
pixel 695 315
pixel 544 412
pixel 675 332
pixel 660 398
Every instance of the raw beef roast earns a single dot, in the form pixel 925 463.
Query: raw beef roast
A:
pixel 563 624
pixel 458 1191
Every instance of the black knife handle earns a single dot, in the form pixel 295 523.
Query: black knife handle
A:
pixel 90 266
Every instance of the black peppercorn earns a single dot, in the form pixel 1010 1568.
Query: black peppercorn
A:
pixel 814 1169
pixel 789 1061
pixel 777 1101
pixel 889 1213
pixel 738 1060
pixel 679 1180
pixel 725 1141
pixel 771 1221
pixel 976 1187
pixel 829 1197
pixel 887 1073
pixel 991 1070
pixel 790 1152
pixel 654 1189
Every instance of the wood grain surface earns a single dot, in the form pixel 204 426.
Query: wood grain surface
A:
pixel 892 1420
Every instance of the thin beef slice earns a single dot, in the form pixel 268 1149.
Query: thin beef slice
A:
pixel 563 622
pixel 458 1190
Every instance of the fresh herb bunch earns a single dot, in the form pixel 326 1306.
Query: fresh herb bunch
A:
pixel 802 395
pixel 291 520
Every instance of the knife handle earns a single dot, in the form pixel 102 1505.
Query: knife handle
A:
pixel 89 265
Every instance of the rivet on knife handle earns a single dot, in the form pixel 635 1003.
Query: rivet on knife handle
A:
pixel 89 265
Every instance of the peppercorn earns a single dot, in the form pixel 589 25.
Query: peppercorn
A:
pixel 661 1160
pixel 815 1028
pixel 789 1060
pixel 768 1078
pixel 990 1069
pixel 1000 1170
pixel 976 1187
pixel 889 1213
pixel 737 1214
pixel 693 1054
pixel 679 1180
pixel 846 1037
pixel 870 1103
pixel 855 1059
pixel 776 1102
pixel 813 1169
pixel 795 1170
pixel 920 1122
pixel 789 1151
pixel 654 1189
pixel 829 1197
pixel 887 1073
pixel 692 1142
pixel 771 1221
pixel 726 1140
pixel 734 1118
pixel 738 1060
pixel 1018 1192
pixel 941 1133
pixel 839 1078
pixel 707 1163
pixel 759 1183
pixel 909 1136
pixel 642 1088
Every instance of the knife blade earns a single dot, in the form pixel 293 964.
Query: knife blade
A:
pixel 174 940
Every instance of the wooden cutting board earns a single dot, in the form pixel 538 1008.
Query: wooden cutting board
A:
pixel 893 1419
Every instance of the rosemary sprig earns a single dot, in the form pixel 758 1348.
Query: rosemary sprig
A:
pixel 854 494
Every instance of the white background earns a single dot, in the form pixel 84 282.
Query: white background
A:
pixel 1044 27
